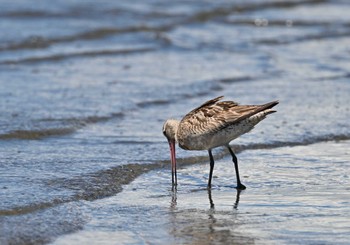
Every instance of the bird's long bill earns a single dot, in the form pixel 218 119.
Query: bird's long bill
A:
pixel 173 162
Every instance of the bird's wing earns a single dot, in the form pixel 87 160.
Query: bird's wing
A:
pixel 214 115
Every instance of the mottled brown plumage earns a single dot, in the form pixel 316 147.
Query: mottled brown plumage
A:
pixel 214 123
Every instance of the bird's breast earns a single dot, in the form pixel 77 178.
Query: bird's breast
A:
pixel 193 143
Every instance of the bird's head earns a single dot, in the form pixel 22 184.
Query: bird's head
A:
pixel 169 130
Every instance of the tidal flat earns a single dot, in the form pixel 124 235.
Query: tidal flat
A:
pixel 86 86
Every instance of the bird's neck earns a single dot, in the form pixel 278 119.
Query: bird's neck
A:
pixel 174 124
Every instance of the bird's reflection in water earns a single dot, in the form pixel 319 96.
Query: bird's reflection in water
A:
pixel 173 202
pixel 235 205
pixel 200 225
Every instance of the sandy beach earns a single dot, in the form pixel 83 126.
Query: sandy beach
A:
pixel 295 195
pixel 85 88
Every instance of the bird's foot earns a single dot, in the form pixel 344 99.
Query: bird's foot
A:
pixel 240 186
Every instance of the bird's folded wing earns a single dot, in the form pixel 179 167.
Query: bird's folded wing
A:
pixel 213 115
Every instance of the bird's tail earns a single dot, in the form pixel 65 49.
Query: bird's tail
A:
pixel 267 107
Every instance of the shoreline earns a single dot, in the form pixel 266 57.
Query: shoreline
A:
pixel 98 185
pixel 270 210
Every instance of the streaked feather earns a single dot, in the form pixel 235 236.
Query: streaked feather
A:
pixel 213 115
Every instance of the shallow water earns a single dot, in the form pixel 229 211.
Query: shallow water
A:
pixel 86 87
pixel 295 195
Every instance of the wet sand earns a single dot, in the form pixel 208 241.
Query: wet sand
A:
pixel 86 86
pixel 295 195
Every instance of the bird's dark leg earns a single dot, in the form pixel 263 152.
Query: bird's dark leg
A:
pixel 240 186
pixel 212 205
pixel 211 168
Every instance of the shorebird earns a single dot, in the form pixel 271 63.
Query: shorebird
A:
pixel 215 123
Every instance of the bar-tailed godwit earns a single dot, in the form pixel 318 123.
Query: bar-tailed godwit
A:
pixel 214 123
